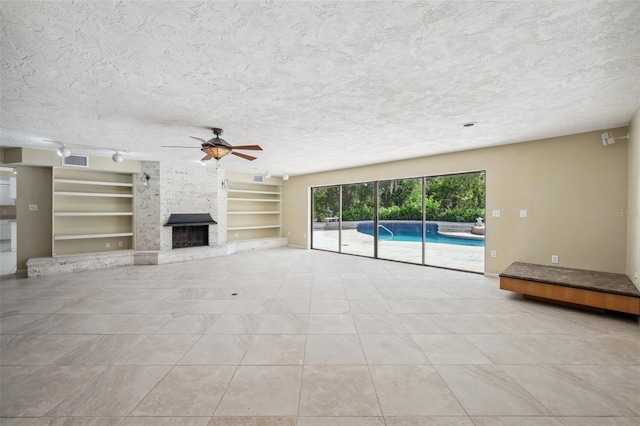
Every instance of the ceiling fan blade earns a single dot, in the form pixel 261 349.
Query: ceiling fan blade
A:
pixel 245 156
pixel 252 147
pixel 206 157
pixel 198 139
pixel 177 146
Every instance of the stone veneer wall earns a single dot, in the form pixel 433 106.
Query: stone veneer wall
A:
pixel 147 206
pixel 178 188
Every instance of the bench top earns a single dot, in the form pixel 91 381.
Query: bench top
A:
pixel 579 278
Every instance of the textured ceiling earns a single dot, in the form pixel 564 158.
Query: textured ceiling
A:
pixel 319 85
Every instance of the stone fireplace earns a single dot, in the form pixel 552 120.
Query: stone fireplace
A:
pixel 166 202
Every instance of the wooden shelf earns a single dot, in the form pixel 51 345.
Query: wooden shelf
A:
pixel 89 236
pixel 93 182
pixel 87 214
pixel 93 194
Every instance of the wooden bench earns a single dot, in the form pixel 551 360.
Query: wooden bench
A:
pixel 599 291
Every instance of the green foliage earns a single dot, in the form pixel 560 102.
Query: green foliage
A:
pixel 456 198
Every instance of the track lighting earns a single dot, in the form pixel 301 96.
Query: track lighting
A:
pixel 64 152
pixel 608 139
pixel 285 177
pixel 267 174
pixel 117 157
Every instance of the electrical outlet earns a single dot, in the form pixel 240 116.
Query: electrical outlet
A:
pixel 33 207
pixel 108 245
pixel 236 235
pixel 119 243
pixel 554 259
pixel 494 253
pixel 495 213
pixel 523 213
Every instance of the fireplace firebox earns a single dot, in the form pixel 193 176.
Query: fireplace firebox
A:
pixel 190 236
pixel 190 229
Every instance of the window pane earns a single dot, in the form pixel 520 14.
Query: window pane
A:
pixel 326 206
pixel 400 220
pixel 453 204
pixel 357 214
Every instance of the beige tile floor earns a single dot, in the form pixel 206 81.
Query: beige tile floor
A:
pixel 311 338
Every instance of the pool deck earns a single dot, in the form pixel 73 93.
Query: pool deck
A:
pixel 465 258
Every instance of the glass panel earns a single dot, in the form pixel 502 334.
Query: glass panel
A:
pixel 454 204
pixel 326 207
pixel 357 216
pixel 400 220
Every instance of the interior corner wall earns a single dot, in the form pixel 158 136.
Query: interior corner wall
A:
pixel 574 188
pixel 34 186
pixel 633 202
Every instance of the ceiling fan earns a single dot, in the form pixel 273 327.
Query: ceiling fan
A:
pixel 218 148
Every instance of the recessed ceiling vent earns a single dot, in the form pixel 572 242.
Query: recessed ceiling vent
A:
pixel 258 178
pixel 76 160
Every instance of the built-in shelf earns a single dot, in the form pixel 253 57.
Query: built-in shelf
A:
pixel 253 210
pixel 89 236
pixel 260 200
pixel 274 212
pixel 83 214
pixel 241 228
pixel 93 182
pixel 246 191
pixel 92 212
pixel 93 194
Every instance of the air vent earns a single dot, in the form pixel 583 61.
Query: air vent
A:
pixel 258 178
pixel 76 160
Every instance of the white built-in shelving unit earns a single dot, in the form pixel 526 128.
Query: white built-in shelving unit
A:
pixel 92 212
pixel 253 210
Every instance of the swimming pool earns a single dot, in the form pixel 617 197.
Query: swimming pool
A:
pixel 410 231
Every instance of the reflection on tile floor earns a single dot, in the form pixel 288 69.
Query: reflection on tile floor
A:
pixel 311 338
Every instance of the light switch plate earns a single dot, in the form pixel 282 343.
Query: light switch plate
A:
pixel 495 213
pixel 523 213
pixel 33 207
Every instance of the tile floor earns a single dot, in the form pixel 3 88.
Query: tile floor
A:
pixel 311 338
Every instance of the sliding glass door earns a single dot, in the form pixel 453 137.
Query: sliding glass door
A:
pixel 453 205
pixel 326 211
pixel 435 220
pixel 400 226
pixel 357 215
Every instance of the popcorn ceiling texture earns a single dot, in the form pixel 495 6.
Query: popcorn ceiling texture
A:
pixel 319 85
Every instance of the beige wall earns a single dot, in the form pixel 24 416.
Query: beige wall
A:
pixel 34 227
pixel 571 186
pixel 633 206
pixel 38 157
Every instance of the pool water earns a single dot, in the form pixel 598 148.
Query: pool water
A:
pixel 410 231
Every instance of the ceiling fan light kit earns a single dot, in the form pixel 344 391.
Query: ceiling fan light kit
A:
pixel 217 147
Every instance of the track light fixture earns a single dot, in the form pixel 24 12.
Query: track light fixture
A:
pixel 64 152
pixel 117 157
pixel 608 138
pixel 267 174
pixel 285 176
